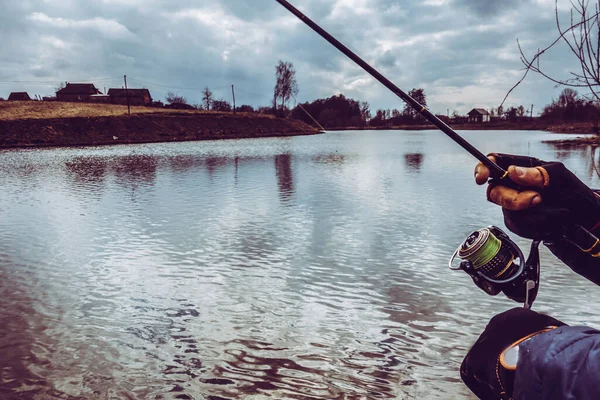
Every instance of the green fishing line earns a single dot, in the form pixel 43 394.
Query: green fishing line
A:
pixel 486 252
pixel 481 248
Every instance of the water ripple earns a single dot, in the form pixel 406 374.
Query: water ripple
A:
pixel 297 268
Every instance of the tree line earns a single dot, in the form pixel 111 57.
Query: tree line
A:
pixel 340 111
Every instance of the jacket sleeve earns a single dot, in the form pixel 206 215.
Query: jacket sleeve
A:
pixel 580 262
pixel 560 364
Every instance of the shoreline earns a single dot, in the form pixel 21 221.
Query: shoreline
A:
pixel 143 128
pixel 565 128
pixel 63 124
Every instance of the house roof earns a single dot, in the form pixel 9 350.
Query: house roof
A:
pixel 79 88
pixel 129 92
pixel 479 111
pixel 19 96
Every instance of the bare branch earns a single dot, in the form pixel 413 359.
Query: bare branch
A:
pixel 579 37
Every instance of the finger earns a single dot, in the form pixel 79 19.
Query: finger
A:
pixel 482 173
pixel 512 199
pixel 530 177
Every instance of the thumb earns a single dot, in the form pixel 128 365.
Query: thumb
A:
pixel 530 177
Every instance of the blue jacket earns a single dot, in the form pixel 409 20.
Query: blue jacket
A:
pixel 560 364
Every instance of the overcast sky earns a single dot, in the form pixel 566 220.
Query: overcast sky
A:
pixel 462 52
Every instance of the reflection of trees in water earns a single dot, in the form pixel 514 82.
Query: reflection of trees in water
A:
pixel 86 172
pixel 413 161
pixel 285 176
pixel 332 158
pixel 594 168
pixel 213 163
pixel 585 153
pixel 136 169
pixel 185 163
pixel 563 151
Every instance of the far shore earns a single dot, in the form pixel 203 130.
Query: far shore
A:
pixel 49 124
pixel 537 125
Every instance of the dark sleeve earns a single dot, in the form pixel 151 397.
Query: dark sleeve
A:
pixel 561 364
pixel 580 262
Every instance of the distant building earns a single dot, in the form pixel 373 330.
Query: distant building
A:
pixel 445 119
pixel 479 115
pixel 100 98
pixel 137 97
pixel 19 96
pixel 77 92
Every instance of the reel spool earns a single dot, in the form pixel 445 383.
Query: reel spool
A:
pixel 496 264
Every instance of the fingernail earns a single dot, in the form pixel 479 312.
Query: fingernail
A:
pixel 520 171
pixel 536 200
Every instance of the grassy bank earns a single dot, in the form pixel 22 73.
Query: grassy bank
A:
pixel 24 124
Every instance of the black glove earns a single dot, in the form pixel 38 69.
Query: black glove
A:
pixel 480 370
pixel 566 201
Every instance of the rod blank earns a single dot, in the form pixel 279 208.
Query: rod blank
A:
pixel 495 170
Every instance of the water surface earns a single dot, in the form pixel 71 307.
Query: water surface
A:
pixel 305 267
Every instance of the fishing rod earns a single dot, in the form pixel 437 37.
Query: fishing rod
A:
pixel 488 256
pixel 496 171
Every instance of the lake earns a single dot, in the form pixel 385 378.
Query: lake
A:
pixel 307 267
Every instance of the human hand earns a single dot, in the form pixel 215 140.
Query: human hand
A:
pixel 511 199
pixel 549 198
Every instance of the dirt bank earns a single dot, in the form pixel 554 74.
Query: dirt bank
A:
pixel 143 128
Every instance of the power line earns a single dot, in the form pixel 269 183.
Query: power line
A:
pixel 174 87
pixel 58 81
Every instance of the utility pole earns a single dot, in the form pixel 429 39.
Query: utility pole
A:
pixel 531 113
pixel 127 95
pixel 233 93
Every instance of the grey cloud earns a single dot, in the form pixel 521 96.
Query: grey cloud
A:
pixel 491 7
pixel 166 45
pixel 387 59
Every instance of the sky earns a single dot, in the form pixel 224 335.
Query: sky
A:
pixel 462 52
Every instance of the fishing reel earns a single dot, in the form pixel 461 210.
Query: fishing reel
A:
pixel 496 264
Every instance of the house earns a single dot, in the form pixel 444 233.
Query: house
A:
pixel 479 115
pixel 19 96
pixel 137 97
pixel 100 98
pixel 77 92
pixel 444 118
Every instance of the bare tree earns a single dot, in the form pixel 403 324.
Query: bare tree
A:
pixel 286 86
pixel 365 112
pixel 173 98
pixel 567 97
pixel 582 36
pixel 207 98
pixel 60 86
